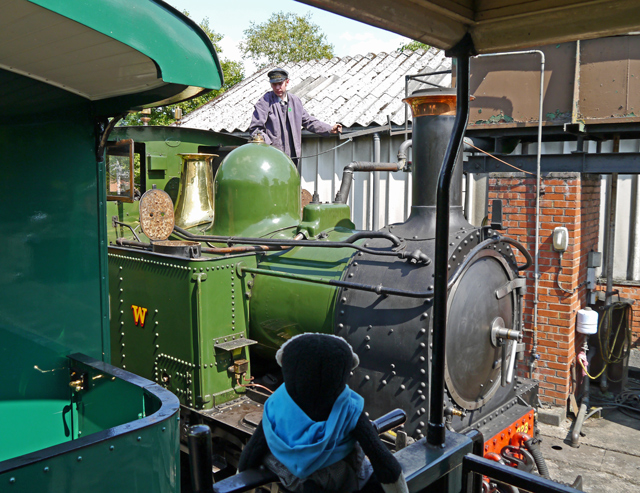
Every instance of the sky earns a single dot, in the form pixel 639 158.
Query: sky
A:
pixel 231 18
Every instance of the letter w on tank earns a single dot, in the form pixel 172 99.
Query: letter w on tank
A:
pixel 139 314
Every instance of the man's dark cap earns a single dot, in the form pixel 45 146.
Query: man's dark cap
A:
pixel 277 75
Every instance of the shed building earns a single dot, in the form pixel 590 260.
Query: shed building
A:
pixel 364 93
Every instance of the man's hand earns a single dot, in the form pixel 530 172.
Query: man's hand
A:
pixel 337 128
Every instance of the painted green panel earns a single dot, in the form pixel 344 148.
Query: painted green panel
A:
pixel 114 450
pixel 183 52
pixel 50 272
pixel 184 319
pixel 319 217
pixel 44 423
pixel 282 308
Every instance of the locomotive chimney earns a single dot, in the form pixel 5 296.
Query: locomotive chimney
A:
pixel 433 112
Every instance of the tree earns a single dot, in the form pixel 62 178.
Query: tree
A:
pixel 413 46
pixel 233 73
pixel 285 37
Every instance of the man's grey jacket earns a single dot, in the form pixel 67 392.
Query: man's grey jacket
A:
pixel 269 119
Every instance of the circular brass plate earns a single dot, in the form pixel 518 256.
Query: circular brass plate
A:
pixel 156 214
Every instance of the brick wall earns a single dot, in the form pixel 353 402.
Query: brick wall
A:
pixel 573 201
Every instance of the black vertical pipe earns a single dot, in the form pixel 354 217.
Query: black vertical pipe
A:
pixel 436 428
pixel 200 458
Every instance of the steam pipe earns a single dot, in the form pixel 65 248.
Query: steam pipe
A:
pixel 380 289
pixel 416 255
pixel 436 429
pixel 402 152
pixel 347 176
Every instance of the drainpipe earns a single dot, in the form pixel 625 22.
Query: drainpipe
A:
pixel 376 183
pixel 536 275
pixel 611 244
pixel 634 268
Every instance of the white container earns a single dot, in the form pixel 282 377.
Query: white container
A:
pixel 587 321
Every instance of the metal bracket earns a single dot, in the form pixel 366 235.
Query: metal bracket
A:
pixel 235 344
pixel 517 283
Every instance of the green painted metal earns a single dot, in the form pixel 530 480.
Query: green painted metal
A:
pixel 118 432
pixel 191 306
pixel 182 51
pixel 281 308
pixel 161 166
pixel 43 425
pixel 319 217
pixel 51 278
pixel 257 188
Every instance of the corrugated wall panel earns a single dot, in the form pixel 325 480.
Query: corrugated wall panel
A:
pixel 324 174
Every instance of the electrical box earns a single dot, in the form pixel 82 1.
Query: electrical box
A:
pixel 594 259
pixel 560 239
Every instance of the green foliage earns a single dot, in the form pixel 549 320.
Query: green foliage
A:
pixel 233 73
pixel 413 46
pixel 285 37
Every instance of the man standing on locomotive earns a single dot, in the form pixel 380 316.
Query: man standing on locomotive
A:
pixel 279 117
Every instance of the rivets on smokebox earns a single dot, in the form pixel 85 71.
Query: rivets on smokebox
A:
pixel 431 288
pixel 423 345
pixel 367 377
pixel 423 330
pixel 344 300
pixel 341 326
pixel 383 382
pixel 402 387
pixel 424 315
pixel 367 338
pixel 367 347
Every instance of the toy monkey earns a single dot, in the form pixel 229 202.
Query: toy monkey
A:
pixel 314 434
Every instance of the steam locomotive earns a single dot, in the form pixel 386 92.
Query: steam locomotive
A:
pixel 202 307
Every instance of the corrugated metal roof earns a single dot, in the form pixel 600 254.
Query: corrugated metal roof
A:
pixel 356 91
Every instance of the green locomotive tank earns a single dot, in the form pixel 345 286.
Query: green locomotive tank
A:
pixel 187 320
pixel 216 316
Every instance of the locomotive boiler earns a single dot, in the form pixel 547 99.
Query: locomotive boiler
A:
pixel 202 311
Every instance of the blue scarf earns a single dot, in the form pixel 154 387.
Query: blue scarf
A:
pixel 304 445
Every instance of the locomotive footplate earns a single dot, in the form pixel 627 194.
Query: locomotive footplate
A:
pixel 241 414
pixel 232 424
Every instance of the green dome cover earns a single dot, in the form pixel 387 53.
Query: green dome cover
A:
pixel 256 192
